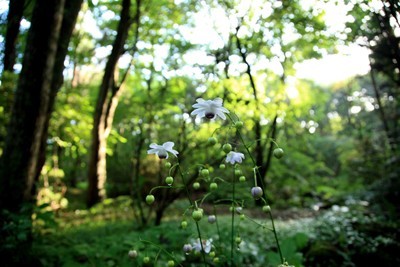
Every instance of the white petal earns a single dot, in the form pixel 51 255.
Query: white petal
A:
pixel 218 101
pixel 154 145
pixel 197 111
pixel 168 145
pixel 221 115
pixel 152 151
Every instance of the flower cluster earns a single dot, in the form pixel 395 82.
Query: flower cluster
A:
pixel 210 110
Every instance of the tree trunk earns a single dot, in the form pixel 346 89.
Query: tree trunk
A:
pixel 30 112
pixel 107 102
pixel 71 11
pixel 14 17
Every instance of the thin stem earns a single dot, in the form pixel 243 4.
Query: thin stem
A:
pixel 201 244
pixel 191 204
pixel 262 184
pixel 233 217
pixel 276 237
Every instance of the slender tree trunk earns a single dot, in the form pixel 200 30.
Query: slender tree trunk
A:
pixel 107 102
pixel 14 17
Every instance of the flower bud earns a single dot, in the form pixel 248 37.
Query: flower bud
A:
pixel 238 172
pixel 171 263
pixel 212 219
pixel 238 240
pixel 266 208
pixel 242 179
pixel 150 199
pixel 168 165
pixel 184 224
pixel 196 185
pixel 222 166
pixel 213 186
pixel 205 173
pixel 257 192
pixel 212 141
pixel 169 180
pixel 197 215
pixel 227 148
pixel 132 254
pixel 216 260
pixel 187 248
pixel 278 153
pixel 238 124
pixel 212 254
pixel 146 260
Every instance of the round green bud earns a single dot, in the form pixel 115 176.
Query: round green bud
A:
pixel 196 185
pixel 197 215
pixel 171 263
pixel 184 224
pixel 266 208
pixel 168 165
pixel 238 240
pixel 227 148
pixel 169 180
pixel 242 179
pixel 242 216
pixel 150 199
pixel 212 254
pixel 212 141
pixel 222 166
pixel 213 186
pixel 238 172
pixel 238 124
pixel 278 153
pixel 205 173
pixel 216 260
pixel 146 260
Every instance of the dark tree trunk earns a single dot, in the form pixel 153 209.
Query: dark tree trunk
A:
pixel 107 102
pixel 20 158
pixel 71 11
pixel 14 17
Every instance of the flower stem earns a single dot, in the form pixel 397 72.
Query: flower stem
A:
pixel 191 204
pixel 262 184
pixel 233 217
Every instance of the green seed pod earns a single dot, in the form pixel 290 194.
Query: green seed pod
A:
pixel 171 263
pixel 242 179
pixel 212 141
pixel 238 124
pixel 222 166
pixel 197 215
pixel 278 153
pixel 168 165
pixel 196 185
pixel 184 224
pixel 169 180
pixel 266 208
pixel 227 148
pixel 205 173
pixel 213 186
pixel 150 199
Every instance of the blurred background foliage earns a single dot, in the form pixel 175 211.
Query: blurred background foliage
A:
pixel 340 139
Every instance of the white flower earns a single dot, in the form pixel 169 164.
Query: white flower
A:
pixel 162 151
pixel 234 157
pixel 209 109
pixel 206 245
